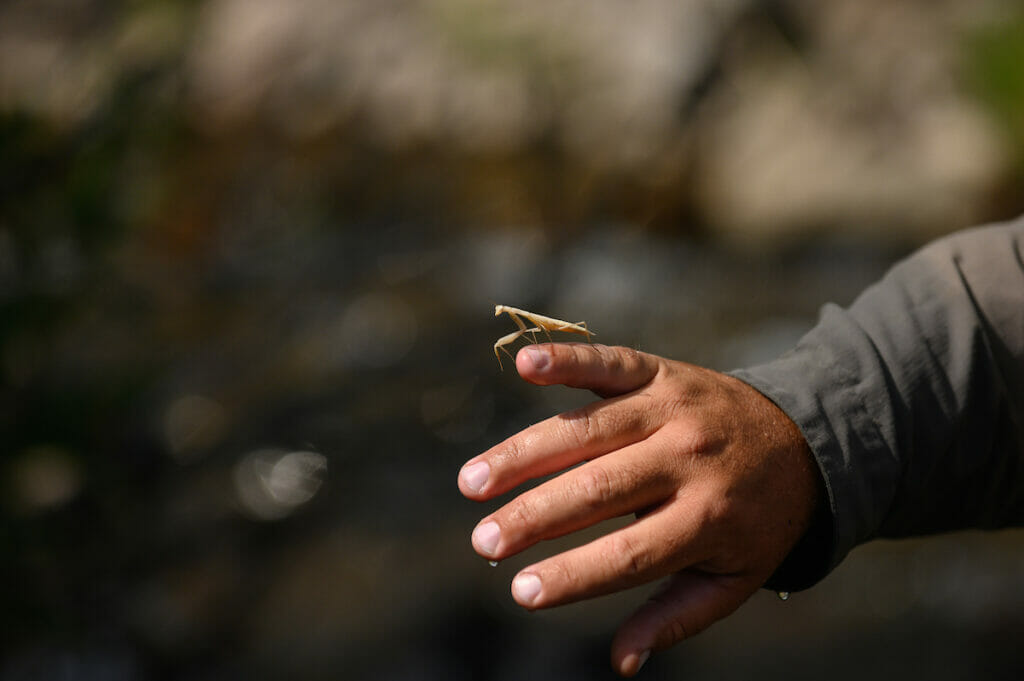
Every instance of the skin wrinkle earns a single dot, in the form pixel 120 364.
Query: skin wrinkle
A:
pixel 521 514
pixel 594 487
pixel 636 420
pixel 511 452
pixel 550 573
pixel 676 632
pixel 579 425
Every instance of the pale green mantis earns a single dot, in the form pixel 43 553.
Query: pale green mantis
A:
pixel 541 323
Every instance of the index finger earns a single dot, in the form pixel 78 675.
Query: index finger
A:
pixel 565 440
pixel 604 369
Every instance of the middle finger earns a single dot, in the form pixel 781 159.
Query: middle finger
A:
pixel 559 442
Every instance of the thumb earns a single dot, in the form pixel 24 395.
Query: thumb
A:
pixel 606 370
pixel 687 605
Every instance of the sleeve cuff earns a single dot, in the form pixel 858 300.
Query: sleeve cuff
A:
pixel 817 389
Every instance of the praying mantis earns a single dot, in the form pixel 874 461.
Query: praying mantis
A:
pixel 541 323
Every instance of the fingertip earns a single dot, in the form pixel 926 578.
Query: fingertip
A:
pixel 532 361
pixel 473 477
pixel 526 587
pixel 631 663
pixel 630 649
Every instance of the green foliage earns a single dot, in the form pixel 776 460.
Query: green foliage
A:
pixel 995 69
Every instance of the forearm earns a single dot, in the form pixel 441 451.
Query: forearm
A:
pixel 911 400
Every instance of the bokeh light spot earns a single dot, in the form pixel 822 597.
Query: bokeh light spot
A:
pixel 272 483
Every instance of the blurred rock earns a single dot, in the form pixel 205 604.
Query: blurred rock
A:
pixel 62 59
pixel 866 129
pixel 760 120
pixel 604 77
pixel 44 478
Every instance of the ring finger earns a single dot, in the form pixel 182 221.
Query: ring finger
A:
pixel 616 484
pixel 557 443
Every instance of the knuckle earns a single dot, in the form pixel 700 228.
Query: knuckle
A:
pixel 708 438
pixel 697 438
pixel 613 359
pixel 627 557
pixel 674 632
pixel 716 513
pixel 573 357
pixel 594 487
pixel 522 517
pixel 566 574
pixel 671 628
pixel 511 452
pixel 578 426
pixel 561 578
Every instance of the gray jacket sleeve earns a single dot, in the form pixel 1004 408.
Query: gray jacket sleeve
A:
pixel 912 400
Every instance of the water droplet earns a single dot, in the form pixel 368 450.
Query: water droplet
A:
pixel 783 595
pixel 492 563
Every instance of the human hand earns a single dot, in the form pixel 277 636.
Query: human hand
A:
pixel 721 480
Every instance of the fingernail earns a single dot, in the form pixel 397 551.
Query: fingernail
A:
pixel 486 537
pixel 526 587
pixel 538 357
pixel 643 658
pixel 475 475
pixel 634 662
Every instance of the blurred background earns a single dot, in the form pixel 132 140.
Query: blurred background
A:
pixel 249 252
